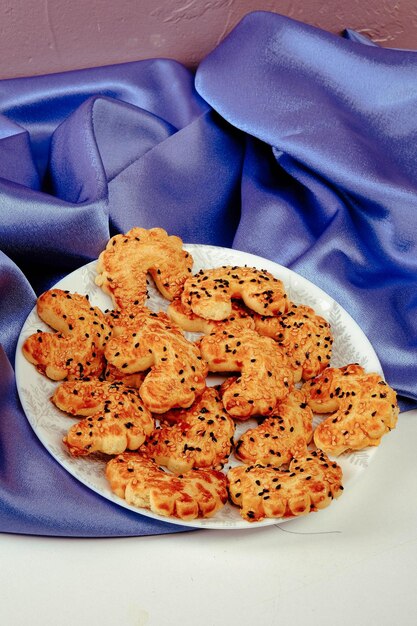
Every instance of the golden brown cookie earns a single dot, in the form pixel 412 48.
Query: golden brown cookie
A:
pixel 209 293
pixel 281 436
pixel 306 337
pixel 363 408
pixel 198 493
pixel 124 264
pixel 310 483
pixel 76 349
pixel 145 340
pixel 113 375
pixel 189 321
pixel 265 377
pixel 117 419
pixel 198 437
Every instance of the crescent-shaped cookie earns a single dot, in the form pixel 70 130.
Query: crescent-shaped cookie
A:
pixel 195 494
pixel 209 293
pixel 305 335
pixel 127 259
pixel 117 419
pixel 76 349
pixel 265 378
pixel 310 483
pixel 363 408
pixel 145 340
pixel 198 437
pixel 280 437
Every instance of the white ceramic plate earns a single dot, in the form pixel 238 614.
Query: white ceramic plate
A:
pixel 50 425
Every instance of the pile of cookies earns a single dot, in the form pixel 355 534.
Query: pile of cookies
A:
pixel 139 386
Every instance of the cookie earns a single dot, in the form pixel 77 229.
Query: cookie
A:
pixel 265 378
pixel 117 419
pixel 305 335
pixel 195 494
pixel 189 321
pixel 310 483
pixel 209 293
pixel 362 405
pixel 198 437
pixel 281 436
pixel 127 260
pixel 76 349
pixel 145 340
pixel 113 375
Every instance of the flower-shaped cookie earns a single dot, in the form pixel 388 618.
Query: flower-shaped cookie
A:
pixel 198 437
pixel 209 293
pixel 310 483
pixel 144 340
pixel 306 337
pixel 280 437
pixel 117 420
pixel 127 259
pixel 76 350
pixel 363 408
pixel 265 377
pixel 198 493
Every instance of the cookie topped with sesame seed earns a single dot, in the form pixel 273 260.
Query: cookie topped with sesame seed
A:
pixel 279 437
pixel 265 376
pixel 127 260
pixel 115 417
pixel 310 483
pixel 188 496
pixel 113 375
pixel 362 407
pixel 76 349
pixel 306 337
pixel 189 321
pixel 197 437
pixel 209 293
pixel 143 340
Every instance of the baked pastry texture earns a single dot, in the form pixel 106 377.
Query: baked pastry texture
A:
pixel 198 437
pixel 113 375
pixel 362 405
pixel 305 335
pixel 210 292
pixel 310 483
pixel 279 437
pixel 115 417
pixel 265 377
pixel 189 321
pixel 76 350
pixel 127 259
pixel 144 340
pixel 195 494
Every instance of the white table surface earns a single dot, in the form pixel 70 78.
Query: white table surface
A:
pixel 354 563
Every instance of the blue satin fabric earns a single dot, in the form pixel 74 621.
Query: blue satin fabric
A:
pixel 297 145
pixel 329 182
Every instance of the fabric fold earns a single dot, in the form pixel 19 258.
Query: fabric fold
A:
pixel 333 122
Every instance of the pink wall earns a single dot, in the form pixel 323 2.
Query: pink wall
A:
pixel 41 36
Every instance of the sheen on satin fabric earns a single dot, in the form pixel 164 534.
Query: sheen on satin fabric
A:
pixel 290 143
pixel 329 181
